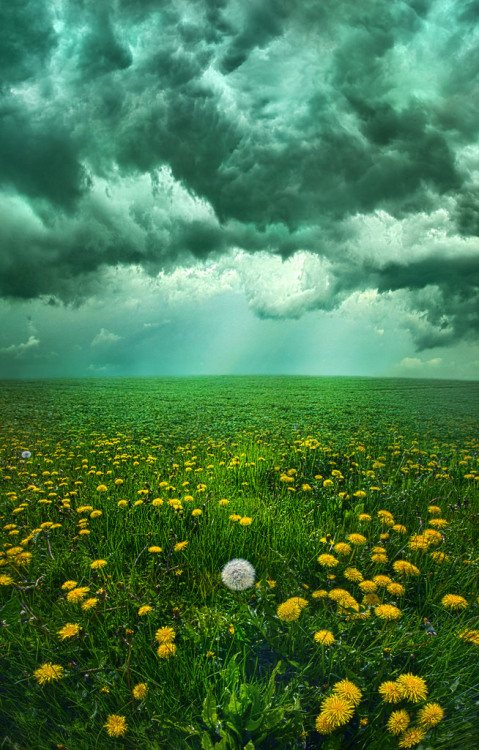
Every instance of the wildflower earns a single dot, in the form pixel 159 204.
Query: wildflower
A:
pixel 322 725
pixel 140 691
pixel 118 481
pixel 144 610
pixel 94 514
pixel 418 542
pixel 48 672
pixel 412 687
pixel 84 532
pixel 179 546
pixel 440 557
pixel 336 710
pixel 399 528
pixel 223 502
pixel 122 503
pixel 353 574
pixel 390 692
pixel 434 510
pixel 395 589
pixel 165 635
pixel 68 585
pixel 96 564
pixel 102 488
pixel 411 737
pixel 320 594
pixel 76 595
pixel 379 559
pixel 371 599
pixel 116 726
pixel 398 722
pixel 382 580
pixel 238 574
pixel 369 587
pixel 388 612
pixel 360 494
pixel 364 517
pixel 349 691
pixel 358 539
pixel 155 550
pixel 342 548
pixel 470 635
pixel 234 517
pixel 6 580
pixel 328 483
pixel 405 568
pixel 454 602
pixel 386 517
pixel 197 512
pixel 166 650
pixel 157 502
pixel 89 604
pixel 246 521
pixel 69 631
pixel 430 715
pixel 324 637
pixel 438 523
pixel 291 609
pixel 432 536
pixel 327 561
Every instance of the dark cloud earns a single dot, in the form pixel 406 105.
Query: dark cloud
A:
pixel 284 119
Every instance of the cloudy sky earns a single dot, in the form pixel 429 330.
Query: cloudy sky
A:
pixel 239 186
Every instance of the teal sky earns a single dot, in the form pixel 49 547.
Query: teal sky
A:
pixel 239 186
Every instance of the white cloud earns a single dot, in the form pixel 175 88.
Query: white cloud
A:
pixel 18 350
pixel 105 337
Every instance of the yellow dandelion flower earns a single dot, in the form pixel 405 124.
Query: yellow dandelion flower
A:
pixel 89 604
pixel 223 502
pixel 371 599
pixel 430 715
pixel 337 710
pixel 323 726
pixel 418 542
pixel 438 523
pixel 454 602
pixel 155 550
pixel 6 580
pixel 405 568
pixel 389 692
pixel 357 539
pixel 165 635
pixel 96 564
pixel 68 585
pixel 245 521
pixel 412 737
pixel 341 548
pixel 197 512
pixel 140 691
pixel 412 687
pixel 179 546
pixel 388 612
pixel 328 561
pixel 144 610
pixel 379 559
pixel 289 611
pixel 368 587
pixel 102 488
pixel 320 594
pixel 166 650
pixel 399 528
pixel 365 517
pixel 95 514
pixel 122 503
pixel 157 502
pixel 440 557
pixel 382 580
pixel 348 691
pixel 354 575
pixel 69 631
pixel 470 635
pixel 398 722
pixel 76 595
pixel 432 536
pixel 434 510
pixel 395 589
pixel 324 637
pixel 116 726
pixel 48 672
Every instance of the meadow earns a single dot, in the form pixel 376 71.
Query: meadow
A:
pixel 239 563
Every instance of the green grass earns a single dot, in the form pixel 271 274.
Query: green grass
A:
pixel 241 676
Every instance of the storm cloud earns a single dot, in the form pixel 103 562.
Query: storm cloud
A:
pixel 159 134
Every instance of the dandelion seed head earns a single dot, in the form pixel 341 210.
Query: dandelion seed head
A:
pixel 238 574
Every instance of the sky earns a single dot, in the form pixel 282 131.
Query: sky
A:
pixel 239 187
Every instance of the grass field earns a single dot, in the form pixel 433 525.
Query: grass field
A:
pixel 349 617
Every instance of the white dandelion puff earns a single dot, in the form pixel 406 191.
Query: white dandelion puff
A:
pixel 238 574
pixel 26 454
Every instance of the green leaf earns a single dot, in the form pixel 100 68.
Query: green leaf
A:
pixel 273 717
pixel 209 713
pixel 271 689
pixel 206 742
pixel 249 746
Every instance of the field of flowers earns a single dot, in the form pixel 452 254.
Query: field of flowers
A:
pixel 239 563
